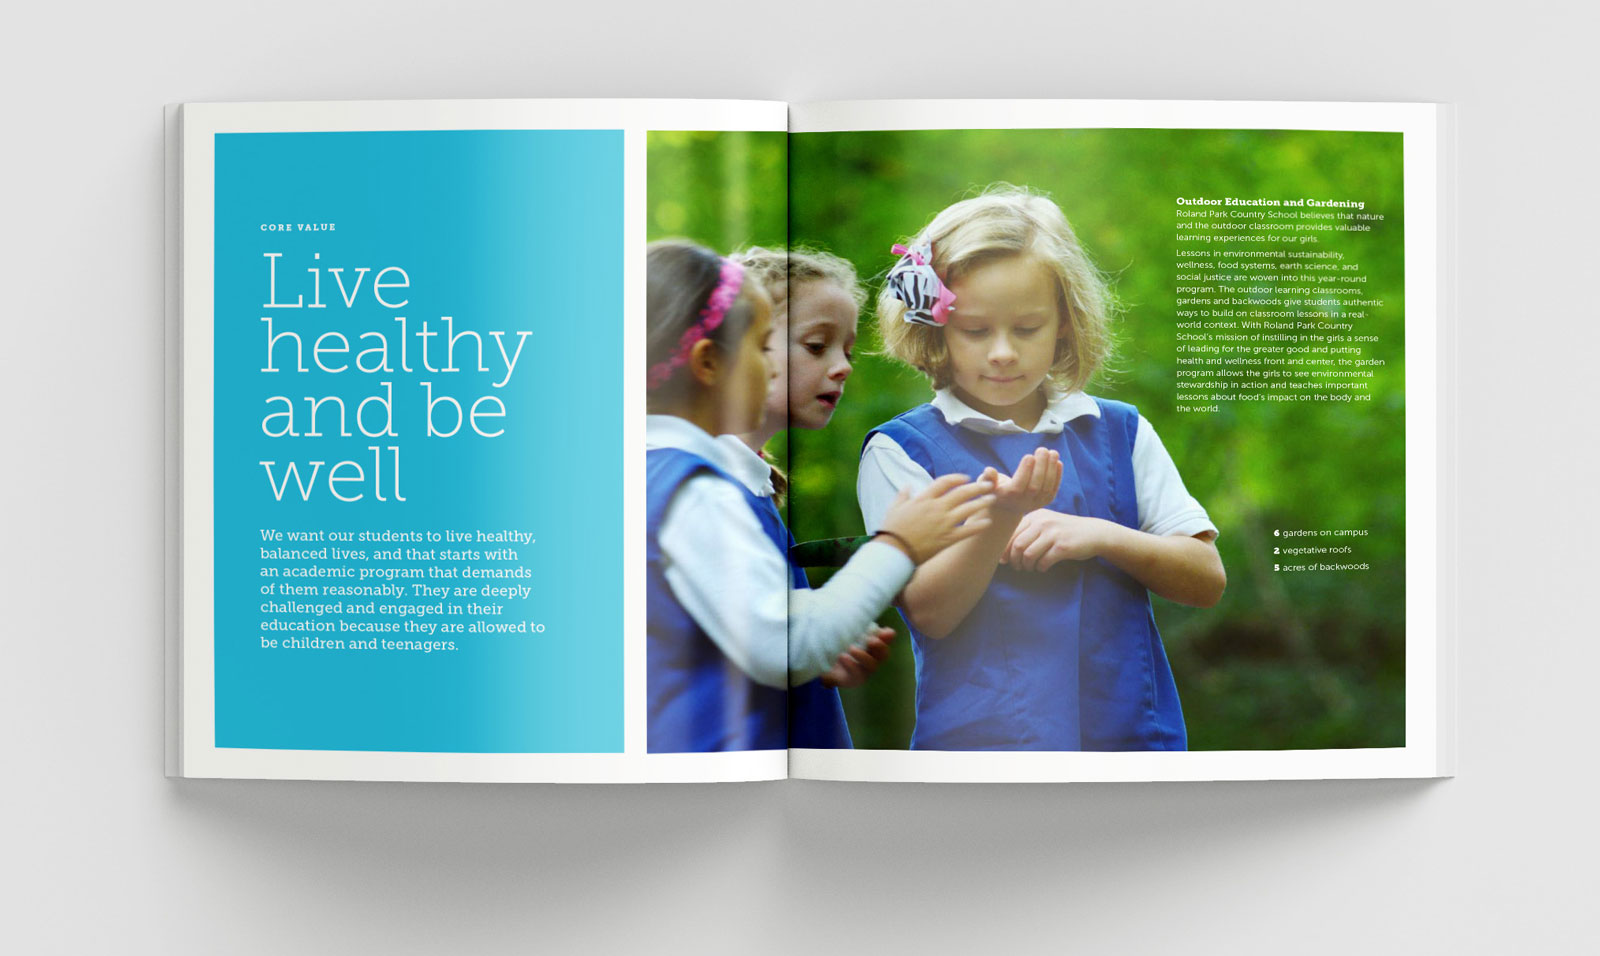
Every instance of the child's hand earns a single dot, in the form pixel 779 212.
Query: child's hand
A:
pixel 949 510
pixel 860 661
pixel 1044 538
pixel 1033 485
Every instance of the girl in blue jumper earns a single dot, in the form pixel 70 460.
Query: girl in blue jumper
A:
pixel 727 632
pixel 816 303
pixel 1036 634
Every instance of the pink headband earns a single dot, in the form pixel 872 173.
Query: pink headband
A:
pixel 728 285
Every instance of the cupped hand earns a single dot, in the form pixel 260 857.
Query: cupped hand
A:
pixel 1033 485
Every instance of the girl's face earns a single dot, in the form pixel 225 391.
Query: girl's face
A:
pixel 750 371
pixel 821 336
pixel 1002 337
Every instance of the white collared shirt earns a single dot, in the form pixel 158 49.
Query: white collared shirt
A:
pixel 1165 506
pixel 727 574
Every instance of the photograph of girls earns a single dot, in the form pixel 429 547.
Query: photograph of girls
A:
pixel 975 414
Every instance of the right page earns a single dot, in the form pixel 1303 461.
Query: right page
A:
pixel 1196 347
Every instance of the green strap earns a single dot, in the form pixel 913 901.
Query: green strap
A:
pixel 826 553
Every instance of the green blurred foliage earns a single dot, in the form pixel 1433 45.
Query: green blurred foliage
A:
pixel 1286 661
pixel 722 190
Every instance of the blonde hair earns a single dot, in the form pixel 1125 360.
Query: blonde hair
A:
pixel 1002 221
pixel 779 270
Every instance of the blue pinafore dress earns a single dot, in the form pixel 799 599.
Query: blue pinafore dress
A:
pixel 698 700
pixel 1065 659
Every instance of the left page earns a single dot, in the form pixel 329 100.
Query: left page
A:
pixel 407 495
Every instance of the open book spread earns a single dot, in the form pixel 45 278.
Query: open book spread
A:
pixel 659 440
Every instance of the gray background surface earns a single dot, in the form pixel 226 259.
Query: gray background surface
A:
pixel 101 853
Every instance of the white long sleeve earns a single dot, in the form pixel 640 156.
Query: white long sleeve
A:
pixel 735 583
pixel 726 573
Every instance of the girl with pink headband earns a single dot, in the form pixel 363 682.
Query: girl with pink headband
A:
pixel 731 626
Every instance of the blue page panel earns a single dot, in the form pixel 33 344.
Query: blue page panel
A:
pixel 495 623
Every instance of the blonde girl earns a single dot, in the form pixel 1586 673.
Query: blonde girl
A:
pixel 1036 634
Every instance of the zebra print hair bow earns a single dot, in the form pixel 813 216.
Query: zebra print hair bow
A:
pixel 913 281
